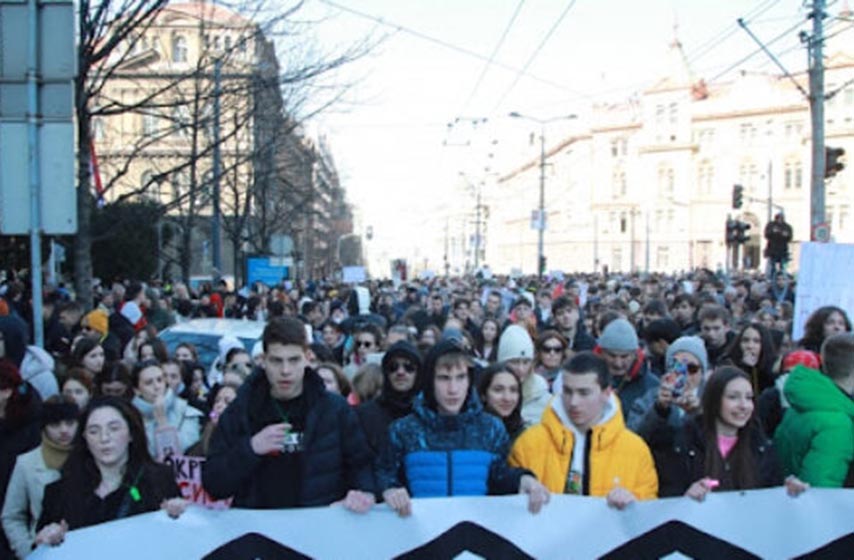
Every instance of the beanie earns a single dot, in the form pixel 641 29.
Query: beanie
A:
pixel 619 336
pixel 691 344
pixel 515 342
pixel 97 320
pixel 804 358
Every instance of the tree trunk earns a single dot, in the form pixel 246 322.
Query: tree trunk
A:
pixel 83 239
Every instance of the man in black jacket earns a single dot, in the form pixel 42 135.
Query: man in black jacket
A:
pixel 287 442
pixel 778 234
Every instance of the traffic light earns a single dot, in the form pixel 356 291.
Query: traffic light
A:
pixel 833 161
pixel 730 232
pixel 542 265
pixel 737 197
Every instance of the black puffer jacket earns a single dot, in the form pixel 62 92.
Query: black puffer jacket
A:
pixel 334 460
pixel 681 462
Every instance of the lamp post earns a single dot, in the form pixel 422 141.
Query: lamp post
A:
pixel 541 217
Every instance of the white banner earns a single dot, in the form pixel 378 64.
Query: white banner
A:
pixel 825 271
pixel 761 523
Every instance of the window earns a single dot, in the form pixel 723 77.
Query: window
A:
pixel 794 130
pixel 623 223
pixel 793 175
pixel 179 49
pixel 748 175
pixel 849 97
pixel 747 133
pixel 705 137
pixel 662 258
pixel 844 211
pixel 705 178
pixel 674 113
pixel 666 180
pixel 98 129
pixel 228 42
pixel 181 120
pixel 180 184
pixel 149 124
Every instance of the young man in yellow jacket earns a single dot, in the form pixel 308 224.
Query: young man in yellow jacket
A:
pixel 582 446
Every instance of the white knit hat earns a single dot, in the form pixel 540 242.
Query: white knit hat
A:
pixel 515 342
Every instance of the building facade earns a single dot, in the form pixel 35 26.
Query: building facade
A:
pixel 647 183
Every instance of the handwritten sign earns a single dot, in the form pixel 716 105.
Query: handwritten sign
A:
pixel 824 278
pixel 188 475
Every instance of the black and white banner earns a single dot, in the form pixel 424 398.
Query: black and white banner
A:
pixel 756 524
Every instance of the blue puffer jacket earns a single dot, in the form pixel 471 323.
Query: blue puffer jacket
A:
pixel 434 455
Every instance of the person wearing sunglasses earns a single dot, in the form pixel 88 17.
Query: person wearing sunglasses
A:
pixel 662 411
pixel 401 366
pixel 551 352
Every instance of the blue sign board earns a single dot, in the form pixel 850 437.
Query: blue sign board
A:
pixel 265 270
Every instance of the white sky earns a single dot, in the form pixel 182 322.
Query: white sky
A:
pixel 398 158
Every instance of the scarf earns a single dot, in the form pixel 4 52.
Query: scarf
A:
pixel 53 453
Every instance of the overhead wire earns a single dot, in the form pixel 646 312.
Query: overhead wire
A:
pixel 728 31
pixel 493 55
pixel 535 54
pixel 445 44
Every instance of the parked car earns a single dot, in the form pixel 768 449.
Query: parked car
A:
pixel 204 334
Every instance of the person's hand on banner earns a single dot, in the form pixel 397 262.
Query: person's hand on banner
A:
pixel 52 534
pixel 795 486
pixel 619 497
pixel 358 501
pixel 538 495
pixel 174 507
pixel 398 500
pixel 699 489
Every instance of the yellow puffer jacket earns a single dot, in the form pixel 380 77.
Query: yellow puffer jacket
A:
pixel 615 455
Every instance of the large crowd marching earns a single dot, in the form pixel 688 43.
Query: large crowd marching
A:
pixel 625 387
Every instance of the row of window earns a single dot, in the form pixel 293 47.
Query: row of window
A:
pixel 180 49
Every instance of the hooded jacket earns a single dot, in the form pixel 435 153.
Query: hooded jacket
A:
pixel 179 414
pixel 335 458
pixel 636 383
pixel 613 454
pixel 436 455
pixel 376 415
pixel 815 440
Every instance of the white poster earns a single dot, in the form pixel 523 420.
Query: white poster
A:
pixel 760 524
pixel 825 273
pixel 353 274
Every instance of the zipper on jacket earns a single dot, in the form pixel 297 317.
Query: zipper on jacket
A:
pixel 450 474
pixel 585 480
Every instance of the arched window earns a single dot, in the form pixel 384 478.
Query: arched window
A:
pixel 179 49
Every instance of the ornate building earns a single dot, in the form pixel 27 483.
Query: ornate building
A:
pixel 647 183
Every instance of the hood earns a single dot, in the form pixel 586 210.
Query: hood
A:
pixel 406 350
pixel 15 337
pixel 36 360
pixel 557 424
pixel 809 390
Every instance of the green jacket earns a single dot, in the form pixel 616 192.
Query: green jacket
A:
pixel 815 440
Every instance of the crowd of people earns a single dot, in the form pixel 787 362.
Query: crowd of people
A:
pixel 627 388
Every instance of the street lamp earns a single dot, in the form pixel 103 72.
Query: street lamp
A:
pixel 541 216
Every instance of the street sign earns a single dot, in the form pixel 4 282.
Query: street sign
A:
pixel 281 245
pixel 538 220
pixel 55 68
pixel 821 232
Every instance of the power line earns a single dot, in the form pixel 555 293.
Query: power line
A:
pixel 445 44
pixel 492 56
pixel 710 44
pixel 534 54
pixel 755 52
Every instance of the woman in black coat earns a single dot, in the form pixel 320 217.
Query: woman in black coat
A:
pixel 20 427
pixel 109 475
pixel 722 449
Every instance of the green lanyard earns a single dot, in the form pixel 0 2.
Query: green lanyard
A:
pixel 281 412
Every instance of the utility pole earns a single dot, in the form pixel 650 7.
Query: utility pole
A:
pixel 815 48
pixel 541 218
pixel 541 210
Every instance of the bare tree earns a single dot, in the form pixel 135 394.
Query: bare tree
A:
pixel 261 102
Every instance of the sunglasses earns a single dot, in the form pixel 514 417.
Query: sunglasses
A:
pixel 364 343
pixel 409 367
pixel 688 368
pixel 552 349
